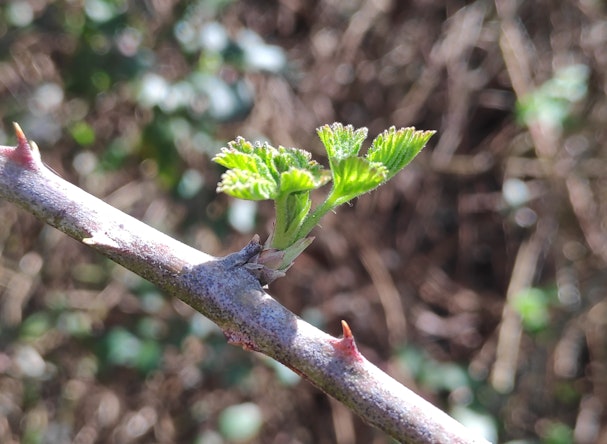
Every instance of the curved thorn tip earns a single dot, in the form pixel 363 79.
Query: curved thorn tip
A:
pixel 19 133
pixel 346 330
pixel 35 148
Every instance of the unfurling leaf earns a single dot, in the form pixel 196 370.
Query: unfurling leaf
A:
pixel 288 175
pixel 355 176
pixel 341 141
pixel 296 180
pixel 396 148
pixel 247 185
pixel 264 172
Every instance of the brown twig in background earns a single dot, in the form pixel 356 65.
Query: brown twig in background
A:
pixel 511 329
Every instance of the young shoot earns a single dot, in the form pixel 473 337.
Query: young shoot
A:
pixel 288 176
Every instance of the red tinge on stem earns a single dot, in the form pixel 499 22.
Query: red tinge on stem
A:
pixel 346 345
pixel 24 153
pixel 238 338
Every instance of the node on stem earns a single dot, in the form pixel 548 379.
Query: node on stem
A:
pixel 288 176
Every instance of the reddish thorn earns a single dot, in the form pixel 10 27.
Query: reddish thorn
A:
pixel 346 329
pixel 24 153
pixel 346 345
pixel 19 133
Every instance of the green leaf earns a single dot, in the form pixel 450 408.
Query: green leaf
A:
pixel 286 158
pixel 258 172
pixel 293 251
pixel 341 141
pixel 552 103
pixel 83 133
pixel 288 175
pixel 396 148
pixel 297 207
pixel 291 210
pixel 354 176
pixel 242 155
pixel 247 185
pixel 296 179
pixel 533 306
pixel 242 161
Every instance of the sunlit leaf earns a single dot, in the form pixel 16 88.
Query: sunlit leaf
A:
pixel 247 185
pixel 396 148
pixel 234 159
pixel 297 207
pixel 243 155
pixel 341 141
pixel 257 172
pixel 296 179
pixel 288 175
pixel 354 176
pixel 286 158
pixel 291 210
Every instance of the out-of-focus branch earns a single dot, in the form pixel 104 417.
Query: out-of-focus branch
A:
pixel 224 291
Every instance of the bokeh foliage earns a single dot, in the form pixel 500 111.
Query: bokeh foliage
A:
pixel 118 94
pixel 130 100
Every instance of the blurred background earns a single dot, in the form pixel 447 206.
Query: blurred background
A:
pixel 477 277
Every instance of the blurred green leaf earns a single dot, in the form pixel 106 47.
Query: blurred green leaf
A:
pixel 151 328
pixel 240 422
pixel 104 10
pixel 121 347
pixel 83 133
pixel 75 323
pixel 533 306
pixel 101 80
pixel 551 103
pixel 557 433
pixel 35 325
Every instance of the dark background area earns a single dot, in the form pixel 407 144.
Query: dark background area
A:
pixel 476 277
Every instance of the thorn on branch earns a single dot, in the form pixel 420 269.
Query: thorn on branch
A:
pixel 25 153
pixel 346 330
pixel 346 346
